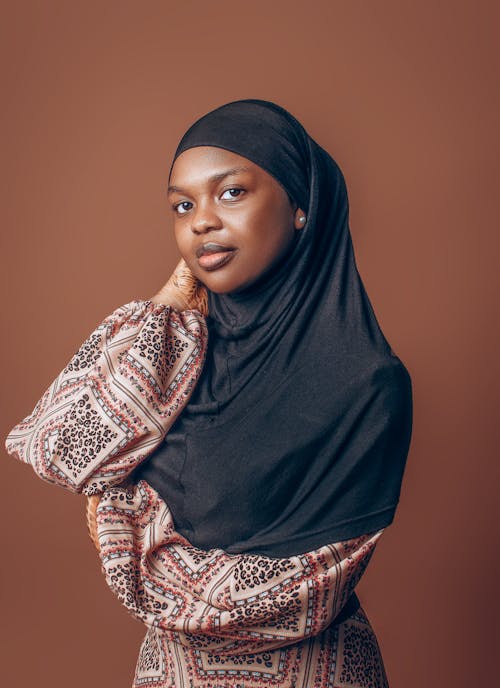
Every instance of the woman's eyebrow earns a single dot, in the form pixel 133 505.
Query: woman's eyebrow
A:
pixel 214 178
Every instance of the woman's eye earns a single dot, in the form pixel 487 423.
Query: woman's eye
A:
pixel 178 207
pixel 238 190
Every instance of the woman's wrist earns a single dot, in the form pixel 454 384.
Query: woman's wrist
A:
pixel 168 297
pixel 179 290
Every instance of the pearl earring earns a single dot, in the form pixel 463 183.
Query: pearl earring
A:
pixel 302 218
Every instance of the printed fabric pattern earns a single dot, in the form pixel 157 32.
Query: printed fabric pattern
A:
pixel 214 620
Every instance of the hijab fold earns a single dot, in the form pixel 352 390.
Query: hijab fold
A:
pixel 297 432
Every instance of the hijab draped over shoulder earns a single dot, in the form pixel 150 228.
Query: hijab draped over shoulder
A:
pixel 297 432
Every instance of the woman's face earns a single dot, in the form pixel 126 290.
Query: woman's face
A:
pixel 223 198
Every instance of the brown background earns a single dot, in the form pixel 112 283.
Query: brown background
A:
pixel 403 95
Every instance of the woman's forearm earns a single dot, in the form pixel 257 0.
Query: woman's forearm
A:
pixel 211 600
pixel 110 408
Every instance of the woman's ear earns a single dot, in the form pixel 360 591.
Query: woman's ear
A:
pixel 300 218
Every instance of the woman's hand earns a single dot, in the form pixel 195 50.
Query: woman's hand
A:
pixel 181 289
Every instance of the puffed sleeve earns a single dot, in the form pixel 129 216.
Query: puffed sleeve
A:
pixel 214 601
pixel 115 400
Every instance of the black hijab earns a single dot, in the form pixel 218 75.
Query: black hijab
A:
pixel 297 432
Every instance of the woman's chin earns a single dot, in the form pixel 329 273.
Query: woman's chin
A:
pixel 221 289
pixel 219 283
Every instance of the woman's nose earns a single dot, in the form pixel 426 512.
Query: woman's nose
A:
pixel 205 218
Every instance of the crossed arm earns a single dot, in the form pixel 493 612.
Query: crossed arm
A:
pixel 101 417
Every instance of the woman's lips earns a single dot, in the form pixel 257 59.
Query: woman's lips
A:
pixel 212 261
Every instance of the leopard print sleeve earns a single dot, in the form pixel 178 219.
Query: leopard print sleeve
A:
pixel 115 400
pixel 212 601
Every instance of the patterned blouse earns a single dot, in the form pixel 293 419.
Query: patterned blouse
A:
pixel 214 620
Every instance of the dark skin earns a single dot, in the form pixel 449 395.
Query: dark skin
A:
pixel 246 209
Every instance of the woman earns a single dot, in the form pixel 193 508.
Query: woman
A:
pixel 273 414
